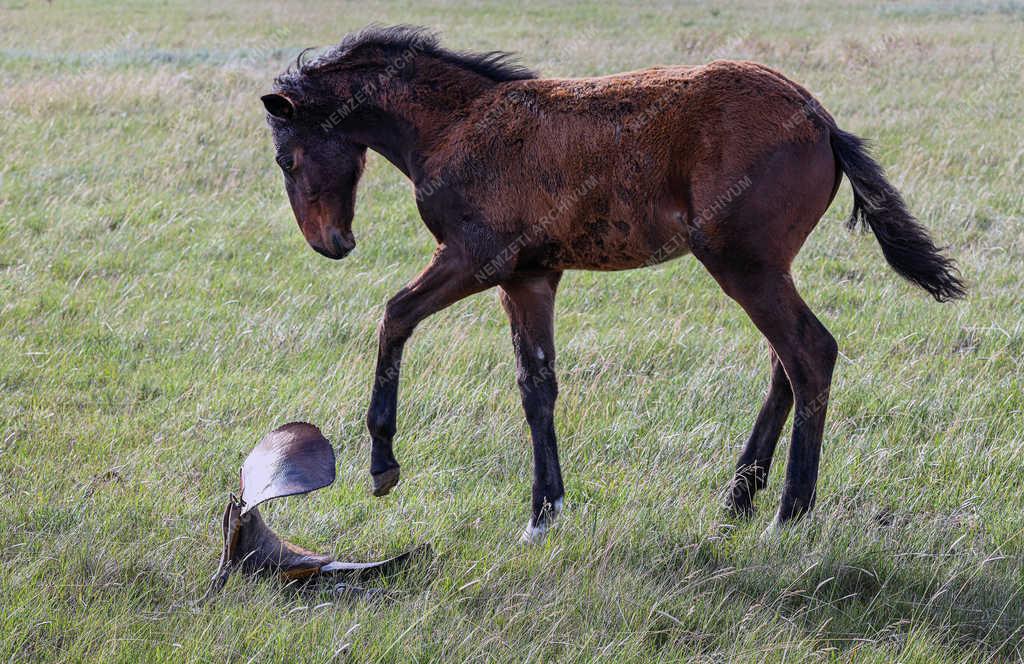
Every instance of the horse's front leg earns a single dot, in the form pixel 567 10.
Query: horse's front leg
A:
pixel 530 304
pixel 447 279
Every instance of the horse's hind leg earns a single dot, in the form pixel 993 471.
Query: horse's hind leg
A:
pixel 756 458
pixel 749 249
pixel 807 353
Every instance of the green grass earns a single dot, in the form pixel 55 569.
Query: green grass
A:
pixel 159 311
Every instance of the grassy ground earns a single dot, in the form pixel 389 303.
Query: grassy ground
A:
pixel 159 311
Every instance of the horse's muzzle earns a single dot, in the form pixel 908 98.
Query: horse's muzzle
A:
pixel 335 254
pixel 340 246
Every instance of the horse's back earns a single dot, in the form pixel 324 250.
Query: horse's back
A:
pixel 612 172
pixel 664 93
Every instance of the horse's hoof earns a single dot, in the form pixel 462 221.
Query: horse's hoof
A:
pixel 739 496
pixel 771 533
pixel 535 534
pixel 739 507
pixel 384 482
pixel 775 530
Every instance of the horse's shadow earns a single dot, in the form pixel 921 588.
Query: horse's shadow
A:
pixel 846 598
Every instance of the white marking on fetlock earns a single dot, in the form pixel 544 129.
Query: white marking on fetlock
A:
pixel 534 534
pixel 774 531
pixel 771 533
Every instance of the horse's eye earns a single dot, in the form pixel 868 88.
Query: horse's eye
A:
pixel 286 162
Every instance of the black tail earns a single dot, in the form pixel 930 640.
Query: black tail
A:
pixel 905 242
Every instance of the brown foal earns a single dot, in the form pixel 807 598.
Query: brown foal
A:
pixel 521 178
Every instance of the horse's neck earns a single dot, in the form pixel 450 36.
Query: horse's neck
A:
pixel 408 120
pixel 395 140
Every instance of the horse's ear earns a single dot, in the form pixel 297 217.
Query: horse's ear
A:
pixel 279 106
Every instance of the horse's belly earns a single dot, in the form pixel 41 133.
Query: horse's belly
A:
pixel 642 241
pixel 612 261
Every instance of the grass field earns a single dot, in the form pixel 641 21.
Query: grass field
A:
pixel 160 311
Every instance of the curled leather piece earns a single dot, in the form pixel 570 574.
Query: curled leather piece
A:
pixel 291 460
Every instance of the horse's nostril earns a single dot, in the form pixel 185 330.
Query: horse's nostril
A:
pixel 340 249
pixel 342 246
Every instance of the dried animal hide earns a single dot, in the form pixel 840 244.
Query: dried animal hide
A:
pixel 291 460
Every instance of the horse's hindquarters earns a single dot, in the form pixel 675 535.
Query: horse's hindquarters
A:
pixel 765 212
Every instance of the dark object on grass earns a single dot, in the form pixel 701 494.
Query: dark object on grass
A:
pixel 291 460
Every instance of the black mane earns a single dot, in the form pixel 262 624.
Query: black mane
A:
pixel 399 40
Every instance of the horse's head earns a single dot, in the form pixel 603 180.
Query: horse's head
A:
pixel 321 170
pixel 366 92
